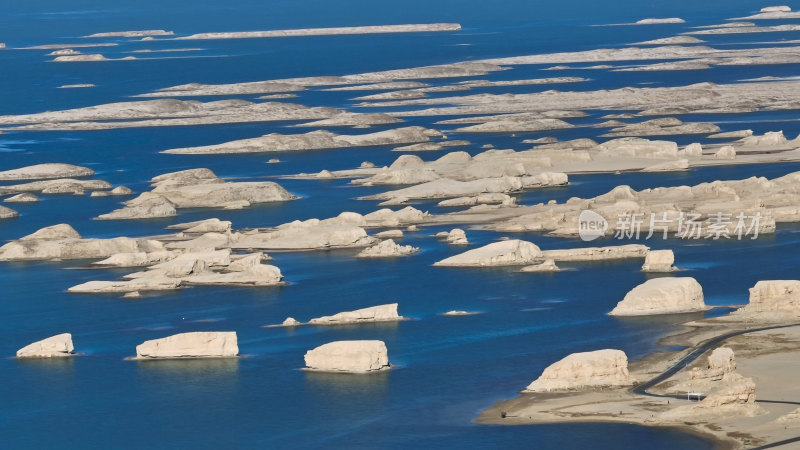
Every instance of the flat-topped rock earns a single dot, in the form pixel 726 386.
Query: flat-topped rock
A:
pixel 196 188
pixel 387 249
pixel 610 252
pixel 662 296
pixel 349 357
pixel 587 370
pixel 513 252
pixel 46 171
pixel 380 313
pixel 57 346
pixel 659 261
pixel 772 300
pixel 208 344
pixel 721 361
pixel 63 242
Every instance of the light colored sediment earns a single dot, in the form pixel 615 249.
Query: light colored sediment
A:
pixel 58 346
pixel 374 29
pixel 68 46
pixel 76 86
pixel 25 197
pixel 674 40
pixel 456 70
pixel 659 261
pixel 730 414
pixel 207 344
pixel 58 186
pixel 548 265
pixel 182 267
pixel 137 33
pixel 315 140
pixel 380 313
pixel 348 357
pixel 45 172
pixel 387 249
pixel 166 112
pixel 166 50
pixel 196 188
pixel 353 119
pixel 430 146
pixel 63 242
pixel 611 252
pixel 718 210
pixel 662 296
pixel 652 21
pixel 666 126
pixel 512 252
pixel 771 301
pixel 585 370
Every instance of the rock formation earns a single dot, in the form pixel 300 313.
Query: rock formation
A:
pixel 63 242
pixel 611 252
pixel 314 140
pixel 547 266
pixel 57 346
pixel 659 261
pixel 600 368
pixel 380 313
pixel 349 357
pixel 512 252
pixel 25 197
pixel 190 345
pixel 662 296
pixel 196 188
pixel 721 361
pixel 735 396
pixel 387 249
pixel 772 301
pixel 7 213
pixel 46 171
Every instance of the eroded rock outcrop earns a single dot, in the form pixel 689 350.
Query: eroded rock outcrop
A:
pixel 7 213
pixel 662 296
pixel 46 171
pixel 196 188
pixel 25 197
pixel 734 396
pixel 387 249
pixel 513 252
pixel 611 252
pixel 349 357
pixel 659 261
pixel 772 301
pixel 63 242
pixel 721 361
pixel 380 313
pixel 190 345
pixel 600 368
pixel 58 346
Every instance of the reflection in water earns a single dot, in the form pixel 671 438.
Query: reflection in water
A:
pixel 190 368
pixel 61 364
pixel 349 385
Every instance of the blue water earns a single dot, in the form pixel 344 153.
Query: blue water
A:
pixel 448 368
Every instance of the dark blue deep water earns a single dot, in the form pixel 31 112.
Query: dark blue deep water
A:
pixel 449 368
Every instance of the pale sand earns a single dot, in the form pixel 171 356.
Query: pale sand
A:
pixel 771 358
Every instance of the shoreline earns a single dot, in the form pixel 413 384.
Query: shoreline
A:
pixel 593 405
